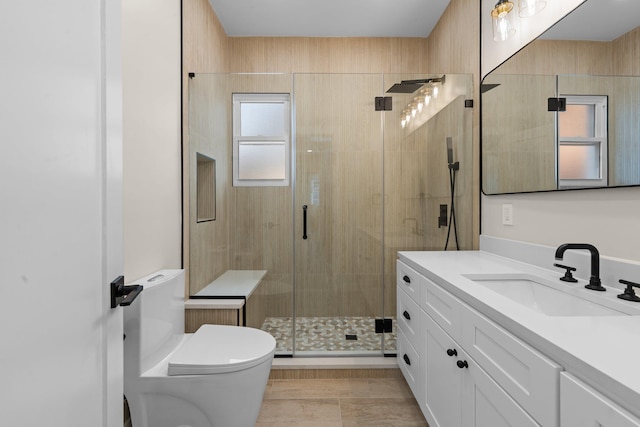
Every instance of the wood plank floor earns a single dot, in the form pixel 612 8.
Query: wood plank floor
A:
pixel 348 402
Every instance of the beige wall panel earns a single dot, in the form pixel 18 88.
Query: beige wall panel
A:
pixel 454 47
pixel 208 241
pixel 626 54
pixel 204 49
pixel 327 55
pixel 553 57
pixel 194 318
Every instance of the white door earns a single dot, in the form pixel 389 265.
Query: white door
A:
pixel 60 213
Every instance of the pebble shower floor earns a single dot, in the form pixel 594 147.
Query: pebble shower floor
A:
pixel 329 335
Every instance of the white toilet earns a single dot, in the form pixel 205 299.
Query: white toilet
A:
pixel 215 377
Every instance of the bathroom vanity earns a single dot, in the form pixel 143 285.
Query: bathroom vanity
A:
pixel 484 340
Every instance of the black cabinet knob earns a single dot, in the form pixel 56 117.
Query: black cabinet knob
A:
pixel 452 352
pixel 462 364
pixel 406 315
pixel 406 279
pixel 407 360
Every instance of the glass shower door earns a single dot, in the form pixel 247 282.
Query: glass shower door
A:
pixel 338 214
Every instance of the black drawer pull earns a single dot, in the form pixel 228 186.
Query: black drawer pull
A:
pixel 452 352
pixel 406 279
pixel 462 364
pixel 406 315
pixel 407 360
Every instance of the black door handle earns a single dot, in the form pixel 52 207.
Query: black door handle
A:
pixel 406 315
pixel 304 222
pixel 123 295
pixel 452 352
pixel 407 360
pixel 406 279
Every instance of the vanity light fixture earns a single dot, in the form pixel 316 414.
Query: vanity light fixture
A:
pixel 428 91
pixel 502 19
pixel 527 8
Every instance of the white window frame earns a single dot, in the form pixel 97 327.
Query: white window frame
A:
pixel 600 103
pixel 238 139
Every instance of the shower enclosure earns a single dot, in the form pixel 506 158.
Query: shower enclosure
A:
pixel 366 178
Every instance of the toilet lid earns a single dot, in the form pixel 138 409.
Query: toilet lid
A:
pixel 217 349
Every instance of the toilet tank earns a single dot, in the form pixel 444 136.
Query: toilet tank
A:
pixel 154 322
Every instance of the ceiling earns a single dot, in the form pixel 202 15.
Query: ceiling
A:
pixel 329 18
pixel 597 20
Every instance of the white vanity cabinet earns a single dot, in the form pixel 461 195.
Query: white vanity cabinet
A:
pixel 458 392
pixel 471 371
pixel 583 406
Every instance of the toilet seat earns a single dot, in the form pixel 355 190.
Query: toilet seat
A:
pixel 215 349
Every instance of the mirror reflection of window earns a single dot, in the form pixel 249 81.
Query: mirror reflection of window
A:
pixel 582 142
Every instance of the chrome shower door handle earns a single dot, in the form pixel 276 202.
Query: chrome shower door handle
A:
pixel 304 222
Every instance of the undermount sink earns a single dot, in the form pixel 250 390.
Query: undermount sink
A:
pixel 540 295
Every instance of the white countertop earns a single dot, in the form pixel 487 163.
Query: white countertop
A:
pixel 601 350
pixel 233 284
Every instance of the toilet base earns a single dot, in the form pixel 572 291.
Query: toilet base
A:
pixel 217 400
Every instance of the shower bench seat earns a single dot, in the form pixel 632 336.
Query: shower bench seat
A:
pixel 224 300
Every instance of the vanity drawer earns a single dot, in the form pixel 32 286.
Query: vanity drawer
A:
pixel 529 377
pixel 409 363
pixel 409 318
pixel 408 280
pixel 443 307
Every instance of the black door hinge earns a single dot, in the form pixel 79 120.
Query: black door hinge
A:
pixel 557 104
pixel 383 326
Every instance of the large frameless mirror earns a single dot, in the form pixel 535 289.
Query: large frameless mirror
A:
pixel 562 112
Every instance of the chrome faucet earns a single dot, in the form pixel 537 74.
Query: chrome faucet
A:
pixel 594 281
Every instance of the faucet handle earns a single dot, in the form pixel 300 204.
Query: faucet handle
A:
pixel 628 293
pixel 568 277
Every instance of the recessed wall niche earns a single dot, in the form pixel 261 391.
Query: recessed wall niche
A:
pixel 205 188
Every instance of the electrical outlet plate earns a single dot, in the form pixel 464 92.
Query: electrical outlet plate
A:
pixel 507 214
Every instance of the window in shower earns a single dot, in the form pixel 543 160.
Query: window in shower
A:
pixel 261 139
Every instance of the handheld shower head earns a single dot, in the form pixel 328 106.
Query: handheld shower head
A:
pixel 449 150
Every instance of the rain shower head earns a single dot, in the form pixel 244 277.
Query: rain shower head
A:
pixel 410 86
pixel 403 87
